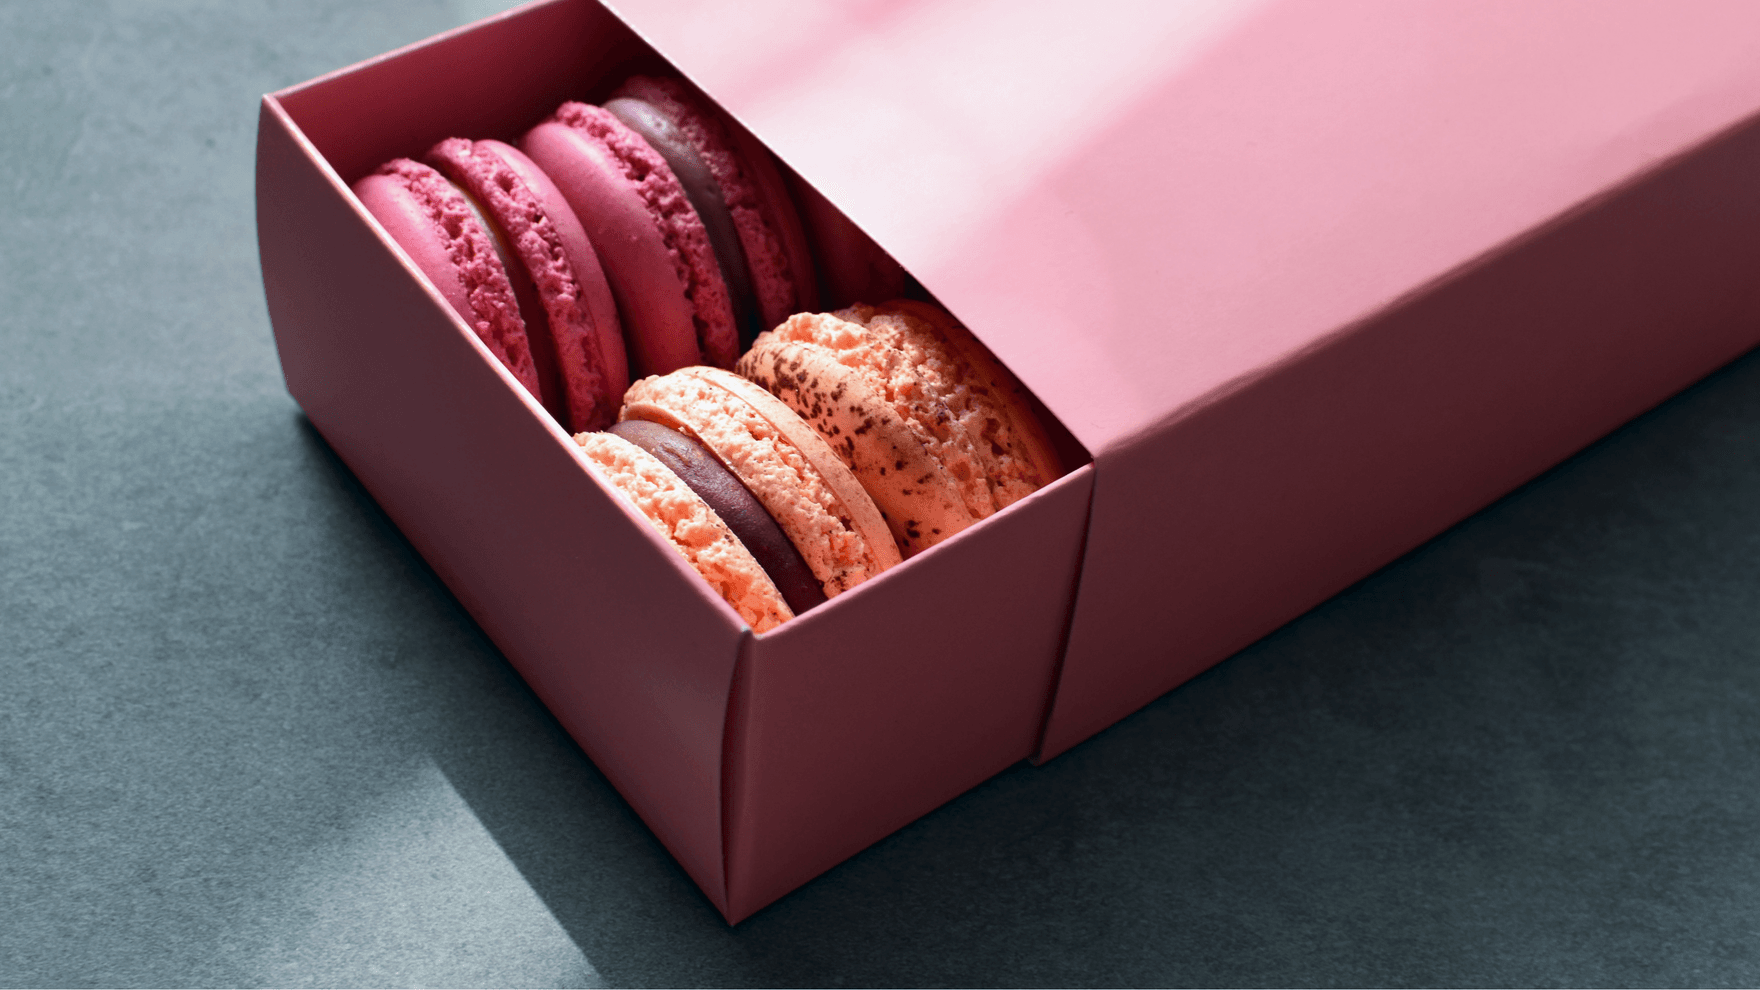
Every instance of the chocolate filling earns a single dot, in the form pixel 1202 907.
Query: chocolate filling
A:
pixel 735 504
pixel 705 195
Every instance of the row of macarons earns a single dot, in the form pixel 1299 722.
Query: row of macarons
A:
pixel 644 235
pixel 652 234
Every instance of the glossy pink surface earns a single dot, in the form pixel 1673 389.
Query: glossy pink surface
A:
pixel 1201 189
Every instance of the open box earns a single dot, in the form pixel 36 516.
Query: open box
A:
pixel 759 760
pixel 1312 282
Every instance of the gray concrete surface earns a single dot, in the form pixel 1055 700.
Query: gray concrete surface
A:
pixel 247 738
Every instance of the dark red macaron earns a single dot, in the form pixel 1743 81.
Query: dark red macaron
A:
pixel 498 240
pixel 656 252
pixel 737 191
pixel 852 267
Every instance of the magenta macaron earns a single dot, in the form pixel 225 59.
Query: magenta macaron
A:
pixel 737 190
pixel 498 240
pixel 691 217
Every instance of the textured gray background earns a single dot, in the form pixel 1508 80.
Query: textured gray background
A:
pixel 247 738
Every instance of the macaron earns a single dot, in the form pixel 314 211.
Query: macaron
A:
pixel 657 254
pixel 851 267
pixel 934 428
pixel 565 301
pixel 738 192
pixel 723 492
pixel 690 525
pixel 786 465
pixel 442 232
pixel 494 234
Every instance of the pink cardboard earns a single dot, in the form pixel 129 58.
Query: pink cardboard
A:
pixel 759 761
pixel 492 495
pixel 859 716
pixel 1315 280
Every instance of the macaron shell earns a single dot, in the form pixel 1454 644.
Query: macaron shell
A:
pixel 784 221
pixel 891 452
pixel 654 249
pixel 661 133
pixel 553 395
pixel 721 489
pixel 776 256
pixel 863 515
pixel 579 318
pixel 783 462
pixel 913 388
pixel 432 222
pixel 692 528
pixel 1030 441
pixel 951 370
pixel 601 332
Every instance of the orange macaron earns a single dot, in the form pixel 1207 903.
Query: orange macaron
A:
pixel 687 521
pixel 788 466
pixel 939 433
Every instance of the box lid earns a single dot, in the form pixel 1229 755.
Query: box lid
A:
pixel 1139 205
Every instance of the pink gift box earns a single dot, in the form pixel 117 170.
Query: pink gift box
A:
pixel 1311 282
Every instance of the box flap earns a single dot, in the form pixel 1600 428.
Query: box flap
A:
pixel 872 709
pixel 1136 205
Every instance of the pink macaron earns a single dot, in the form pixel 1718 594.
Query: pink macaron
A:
pixel 501 244
pixel 738 192
pixel 937 431
pixel 700 238
pixel 663 272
